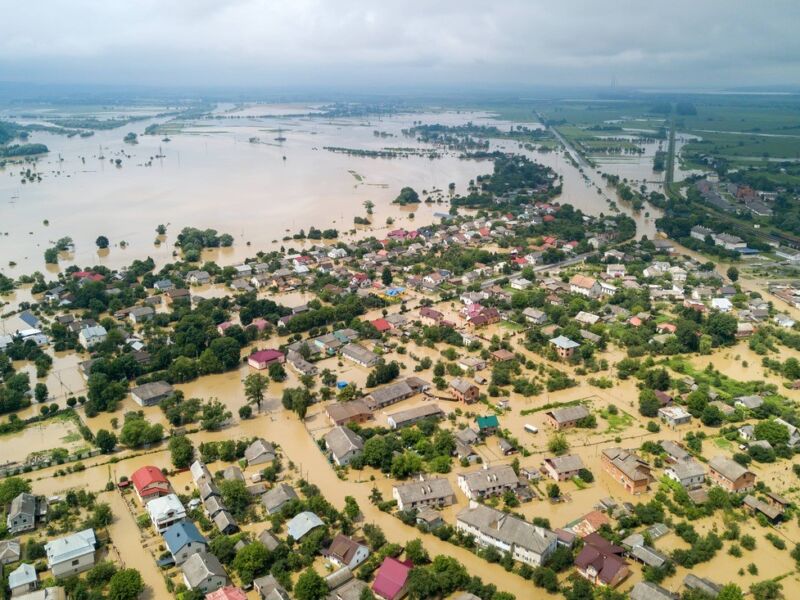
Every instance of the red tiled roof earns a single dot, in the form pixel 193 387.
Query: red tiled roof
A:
pixel 145 478
pixel 227 593
pixel 265 355
pixel 381 325
pixel 391 578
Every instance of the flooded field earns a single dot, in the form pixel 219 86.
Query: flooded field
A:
pixel 39 438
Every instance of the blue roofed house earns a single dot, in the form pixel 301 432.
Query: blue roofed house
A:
pixel 183 539
pixel 71 554
pixel 22 580
pixel 302 524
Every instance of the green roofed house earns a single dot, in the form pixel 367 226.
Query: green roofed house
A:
pixel 487 425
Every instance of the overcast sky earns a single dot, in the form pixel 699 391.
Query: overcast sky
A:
pixel 413 43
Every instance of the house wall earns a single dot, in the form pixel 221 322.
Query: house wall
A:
pixel 188 550
pixel 73 566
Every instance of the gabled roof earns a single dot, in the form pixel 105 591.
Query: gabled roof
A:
pixel 24 574
pixel 391 577
pixel 180 534
pixel 146 477
pixel 70 547
pixel 301 524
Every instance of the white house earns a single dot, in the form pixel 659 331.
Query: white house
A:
pixel 165 511
pixel 71 554
pixel 91 336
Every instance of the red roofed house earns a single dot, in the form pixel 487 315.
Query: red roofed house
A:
pixel 548 218
pixel 149 483
pixel 390 581
pixel 229 592
pixel 382 325
pixel 264 358
pixel 601 562
pixel 90 275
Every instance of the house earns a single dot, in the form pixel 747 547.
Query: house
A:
pixel 184 539
pixel 464 391
pixel 471 363
pixel 488 481
pixel 487 425
pixel 435 492
pixel 674 451
pixel 794 433
pixel 627 469
pixel 204 572
pixel 198 277
pixel 140 314
pixel 566 417
pixel 150 394
pixel 748 402
pixel 587 318
pixel 389 394
pixel 232 473
pixel 22 580
pixel 520 283
pixel 647 590
pixel 71 554
pixel 22 514
pixel 213 505
pixel 730 475
pixel 584 285
pixel 615 270
pixel 406 418
pixel 535 316
pixel 344 445
pixel 225 523
pixel 278 497
pixel 302 523
pixel 259 452
pixel 674 416
pixel 346 552
pixel 564 346
pixel 693 582
pixel 360 355
pixel 527 543
pixel 227 593
pixel 149 483
pixel 562 468
pixel 9 552
pixel 391 577
pixel 262 359
pixel 165 511
pixel 177 294
pixel 268 588
pixel 689 473
pixel 772 511
pixel 200 473
pixel 601 562
pixel 342 413
pixel 721 304
pixel 89 337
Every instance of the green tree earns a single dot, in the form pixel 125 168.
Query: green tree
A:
pixel 733 273
pixel 181 451
pixel 730 591
pixel 126 584
pixel 106 441
pixel 310 586
pixel 648 403
pixel 416 552
pixel 255 385
pixel 252 561
pixel 11 487
pixel 386 276
pixel 558 444
pixel 772 431
pixel 102 242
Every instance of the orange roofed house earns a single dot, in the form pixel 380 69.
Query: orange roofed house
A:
pixel 627 468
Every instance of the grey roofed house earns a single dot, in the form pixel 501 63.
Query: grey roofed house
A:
pixel 645 590
pixel 404 418
pixel 50 593
pixel 389 394
pixel 268 588
pixel 674 451
pixel 268 540
pixel 568 414
pixel 200 569
pixel 23 578
pixel 648 556
pixel 259 452
pixel 232 473
pixel 487 479
pixel 151 393
pixel 208 490
pixel 9 552
pixel 729 469
pixel 199 472
pixel 338 578
pixel 141 313
pixel 437 491
pixel 506 528
pixel 461 385
pixel 351 590
pixel 467 435
pixel 213 505
pixel 566 464
pixel 274 499
pixel 344 444
pixel 771 511
pixel 687 469
pixel 302 523
pixel 360 355
pixel 300 364
pixel 693 582
pixel 22 513
pixel 750 402
pixel 225 522
pixel 70 548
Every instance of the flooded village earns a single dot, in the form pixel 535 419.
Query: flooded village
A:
pixel 434 354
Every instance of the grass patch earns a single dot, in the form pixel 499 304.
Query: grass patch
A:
pixel 722 443
pixel 618 422
pixel 579 483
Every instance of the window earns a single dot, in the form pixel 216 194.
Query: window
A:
pixel 75 562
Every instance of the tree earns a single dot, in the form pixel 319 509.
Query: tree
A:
pixel 181 451
pixel 386 276
pixel 102 242
pixel 40 392
pixel 12 487
pixel 252 561
pixel 214 416
pixel 126 584
pixel 310 586
pixel 374 534
pixel 772 431
pixel 416 552
pixel 235 496
pixel 255 385
pixel 733 273
pixel 161 229
pixel 245 412
pixel 351 508
pixel 722 328
pixel 407 195
pixel 558 444
pixel 369 205
pixel 101 516
pixel 730 591
pixel 106 441
pixel 553 491
pixel 766 590
pixel 712 416
pixel 648 403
